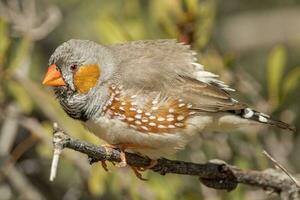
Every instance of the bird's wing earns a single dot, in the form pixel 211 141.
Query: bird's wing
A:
pixel 206 97
pixel 170 69
pixel 165 69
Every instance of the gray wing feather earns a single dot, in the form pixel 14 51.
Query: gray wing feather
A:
pixel 169 68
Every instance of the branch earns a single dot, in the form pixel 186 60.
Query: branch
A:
pixel 215 174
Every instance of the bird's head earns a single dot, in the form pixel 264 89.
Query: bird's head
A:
pixel 77 68
pixel 78 65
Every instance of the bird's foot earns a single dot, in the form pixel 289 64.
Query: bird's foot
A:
pixel 151 165
pixel 104 165
pixel 123 162
pixel 137 170
pixel 121 148
pixel 137 173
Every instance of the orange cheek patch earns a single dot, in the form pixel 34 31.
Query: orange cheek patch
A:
pixel 86 77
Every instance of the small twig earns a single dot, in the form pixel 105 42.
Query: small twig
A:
pixel 276 163
pixel 214 174
pixel 9 129
pixel 26 21
pixel 58 147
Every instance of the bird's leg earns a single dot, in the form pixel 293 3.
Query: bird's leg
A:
pixel 137 173
pixel 104 165
pixel 137 170
pixel 107 148
pixel 123 162
pixel 121 148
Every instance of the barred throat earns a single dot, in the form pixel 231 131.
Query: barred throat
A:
pixel 248 113
pixel 77 106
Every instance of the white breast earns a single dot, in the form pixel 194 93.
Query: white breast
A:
pixel 153 145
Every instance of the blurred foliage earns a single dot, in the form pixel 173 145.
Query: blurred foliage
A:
pixel 266 78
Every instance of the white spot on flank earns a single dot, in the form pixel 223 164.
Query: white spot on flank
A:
pixel 170 116
pixel 248 113
pixel 138 122
pixel 160 119
pixel 130 119
pixel 132 126
pixel 179 124
pixel 139 111
pixel 161 126
pixel 122 108
pixel 116 113
pixel 145 128
pixel 191 113
pixel 138 116
pixel 180 117
pixel 170 119
pixel 189 105
pixel 133 96
pixel 180 100
pixel 152 124
pixel 262 119
pixel 154 102
pixel 144 119
pixel 109 102
pixel 171 110
pixel 154 108
pixel 181 105
pixel 171 126
pixel 117 92
pixel 113 108
pixel 117 98
pixel 132 109
pixel 133 103
pixel 123 103
pixel 152 117
pixel 147 114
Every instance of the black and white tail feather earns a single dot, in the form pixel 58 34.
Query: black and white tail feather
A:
pixel 248 113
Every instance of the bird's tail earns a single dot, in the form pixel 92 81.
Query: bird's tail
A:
pixel 248 113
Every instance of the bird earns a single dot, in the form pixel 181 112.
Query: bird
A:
pixel 150 97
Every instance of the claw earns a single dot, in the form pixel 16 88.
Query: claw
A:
pixel 137 170
pixel 122 148
pixel 104 165
pixel 123 162
pixel 138 174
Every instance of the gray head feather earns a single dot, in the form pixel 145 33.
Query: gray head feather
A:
pixel 80 52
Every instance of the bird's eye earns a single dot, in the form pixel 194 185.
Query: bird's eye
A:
pixel 73 67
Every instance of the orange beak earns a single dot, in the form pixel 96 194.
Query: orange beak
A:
pixel 53 77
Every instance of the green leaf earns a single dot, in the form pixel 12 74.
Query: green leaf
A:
pixel 275 68
pixel 5 41
pixel 291 82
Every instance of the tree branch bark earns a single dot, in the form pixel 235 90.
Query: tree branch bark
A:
pixel 215 174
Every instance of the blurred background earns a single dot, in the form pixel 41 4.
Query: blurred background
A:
pixel 253 45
